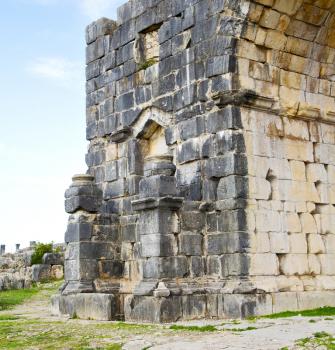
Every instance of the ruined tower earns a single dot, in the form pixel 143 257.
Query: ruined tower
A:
pixel 210 188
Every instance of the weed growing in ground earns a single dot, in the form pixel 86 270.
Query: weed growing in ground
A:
pixel 208 328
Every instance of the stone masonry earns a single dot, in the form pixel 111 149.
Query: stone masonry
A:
pixel 210 189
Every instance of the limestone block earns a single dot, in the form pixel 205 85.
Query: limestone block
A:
pixel 260 242
pixel 265 2
pixel 284 301
pixel 309 283
pixel 325 153
pixel 326 282
pixel 289 206
pixel 315 244
pixel 251 51
pixel 314 264
pixel 289 283
pixel 298 170
pixel 269 19
pixel 293 81
pixel 329 241
pixel 264 264
pixel 279 242
pixel 331 174
pixel 275 40
pixel 299 150
pixel 41 272
pixel 288 7
pixel 300 191
pixel 327 223
pixel 323 190
pixel 294 264
pixel 57 272
pixel 310 206
pixel 314 300
pixel 291 222
pixel 296 129
pixel 268 221
pixel 298 47
pixel 327 262
pixel 308 223
pixel 95 306
pixel 298 243
pixel 259 188
pixel 255 12
pixel 316 172
pixel 300 207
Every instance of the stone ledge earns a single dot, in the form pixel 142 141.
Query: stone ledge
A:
pixel 161 202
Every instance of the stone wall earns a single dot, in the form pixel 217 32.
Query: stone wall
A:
pixel 17 272
pixel 209 190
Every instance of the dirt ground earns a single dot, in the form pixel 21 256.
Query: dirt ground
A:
pixel 30 326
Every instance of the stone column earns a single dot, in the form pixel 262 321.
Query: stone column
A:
pixel 82 201
pixel 156 230
pixel 3 249
pixel 17 247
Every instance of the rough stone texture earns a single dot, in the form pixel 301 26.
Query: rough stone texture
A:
pixel 211 160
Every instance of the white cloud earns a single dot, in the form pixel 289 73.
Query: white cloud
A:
pixel 56 68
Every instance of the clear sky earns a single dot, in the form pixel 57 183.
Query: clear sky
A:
pixel 42 114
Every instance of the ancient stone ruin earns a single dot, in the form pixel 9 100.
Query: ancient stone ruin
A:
pixel 210 189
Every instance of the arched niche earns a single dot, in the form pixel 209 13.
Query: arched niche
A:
pixel 149 130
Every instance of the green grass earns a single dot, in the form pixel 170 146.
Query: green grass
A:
pixel 8 299
pixel 8 317
pixel 241 329
pixel 150 62
pixel 208 328
pixel 320 340
pixel 322 311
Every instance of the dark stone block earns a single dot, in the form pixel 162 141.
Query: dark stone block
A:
pixel 151 309
pixel 169 267
pixel 124 102
pixel 230 25
pixel 191 128
pixel 220 65
pixel 230 164
pixel 95 50
pixel 111 269
pixel 167 84
pixel 194 306
pixel 87 203
pixel 204 29
pixel 78 232
pixel 53 259
pixel 41 272
pixel 158 245
pixel 233 187
pixel 192 220
pixel 217 244
pixel 188 151
pixel 233 221
pixel 115 189
pixel 158 186
pixel 190 244
pixel 128 233
pixel 197 268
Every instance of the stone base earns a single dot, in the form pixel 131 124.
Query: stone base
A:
pixel 87 306
pixel 153 309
